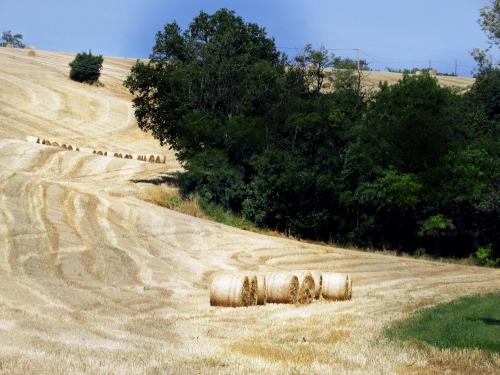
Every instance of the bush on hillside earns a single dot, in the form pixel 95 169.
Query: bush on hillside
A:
pixel 86 67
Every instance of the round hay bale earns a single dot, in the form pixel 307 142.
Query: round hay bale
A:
pixel 158 160
pixel 282 287
pixel 432 72
pixel 64 146
pixel 318 283
pixel 46 142
pixel 336 286
pixel 55 144
pixel 306 287
pixel 99 153
pixel 419 73
pixel 70 147
pixel 261 289
pixel 77 149
pixel 31 52
pixel 105 153
pixel 230 291
pixel 152 159
pixel 38 140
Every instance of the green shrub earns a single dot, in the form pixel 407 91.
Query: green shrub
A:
pixel 86 67
pixel 484 256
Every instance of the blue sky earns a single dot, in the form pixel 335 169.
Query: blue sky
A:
pixel 390 33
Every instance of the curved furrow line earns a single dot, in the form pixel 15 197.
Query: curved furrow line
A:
pixel 25 269
pixel 128 241
pixel 82 209
pixel 112 237
pixel 44 90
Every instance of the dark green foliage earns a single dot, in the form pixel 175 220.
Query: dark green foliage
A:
pixel 468 322
pixel 86 67
pixel 347 63
pixel 413 167
pixel 15 40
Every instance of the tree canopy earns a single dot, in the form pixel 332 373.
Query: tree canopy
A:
pixel 413 166
pixel 14 40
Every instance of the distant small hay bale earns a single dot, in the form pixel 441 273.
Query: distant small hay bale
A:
pixel 419 73
pixel 31 52
pixel 99 153
pixel 120 156
pixel 336 286
pixel 115 155
pixel 152 159
pixel 318 283
pixel 64 146
pixel 282 287
pixel 70 147
pixel 55 144
pixel 46 142
pixel 230 291
pixel 77 149
pixel 158 160
pixel 38 140
pixel 261 289
pixel 432 72
pixel 306 287
pixel 326 85
pixel 105 153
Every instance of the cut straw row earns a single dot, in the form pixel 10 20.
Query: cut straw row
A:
pixel 301 287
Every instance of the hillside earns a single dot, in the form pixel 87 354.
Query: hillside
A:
pixel 96 280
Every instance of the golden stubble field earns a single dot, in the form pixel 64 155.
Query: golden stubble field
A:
pixel 96 280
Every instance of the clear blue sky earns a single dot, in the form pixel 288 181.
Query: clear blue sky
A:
pixel 394 33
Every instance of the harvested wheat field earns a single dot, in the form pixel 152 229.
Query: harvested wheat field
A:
pixel 96 280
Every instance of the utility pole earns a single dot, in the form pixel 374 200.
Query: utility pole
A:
pixel 456 68
pixel 357 57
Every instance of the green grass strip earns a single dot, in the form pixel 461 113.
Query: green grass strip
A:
pixel 468 322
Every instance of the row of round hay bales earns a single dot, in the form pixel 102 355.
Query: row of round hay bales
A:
pixel 300 287
pixel 46 142
pixel 151 159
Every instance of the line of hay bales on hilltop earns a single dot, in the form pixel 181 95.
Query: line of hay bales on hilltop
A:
pixel 145 158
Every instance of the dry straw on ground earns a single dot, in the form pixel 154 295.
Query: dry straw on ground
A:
pixel 306 287
pixel 230 291
pixel 282 287
pixel 336 286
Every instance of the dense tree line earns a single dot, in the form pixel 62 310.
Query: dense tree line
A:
pixel 413 166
